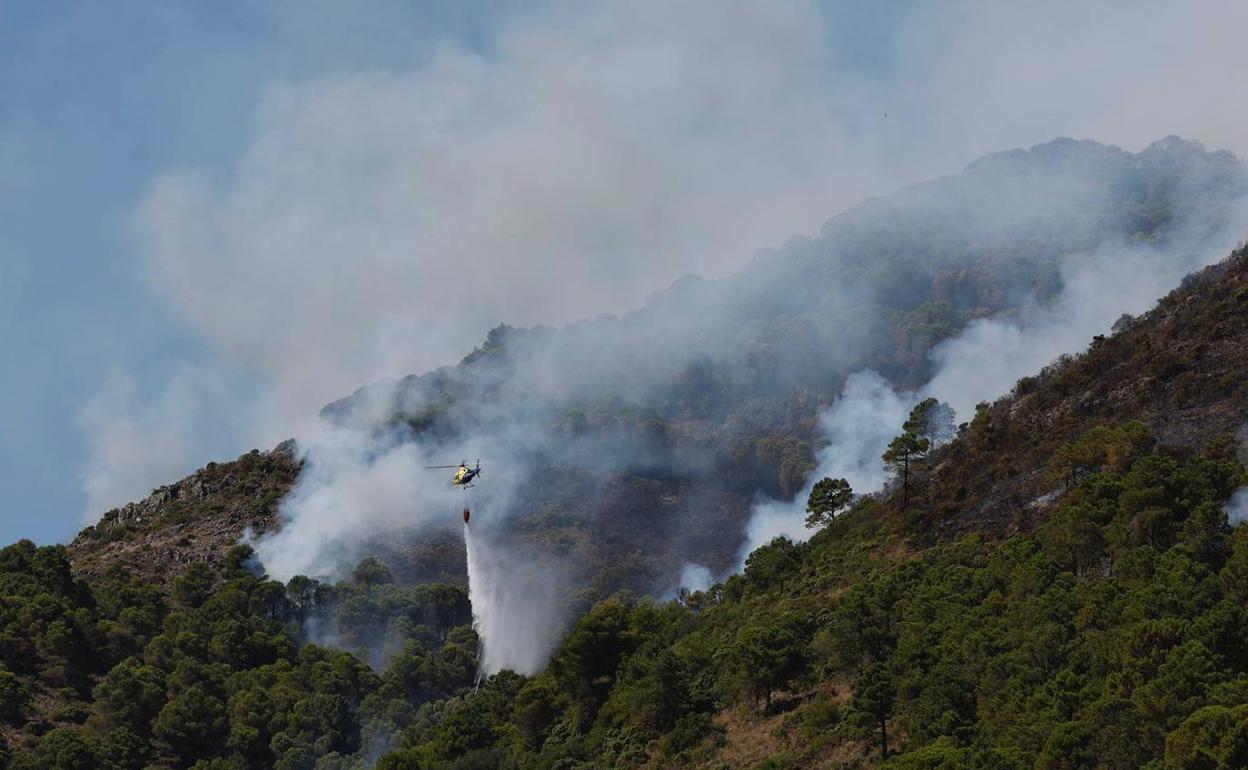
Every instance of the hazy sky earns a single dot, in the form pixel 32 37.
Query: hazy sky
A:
pixel 215 217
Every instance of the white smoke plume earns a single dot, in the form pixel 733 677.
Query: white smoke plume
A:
pixel 350 482
pixel 378 221
pixel 984 362
pixel 371 478
pixel 858 427
pixel 382 221
pixel 987 358
pixel 696 577
pixel 355 483
pixel 1237 508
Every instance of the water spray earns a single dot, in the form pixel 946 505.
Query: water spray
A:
pixel 515 598
pixel 475 600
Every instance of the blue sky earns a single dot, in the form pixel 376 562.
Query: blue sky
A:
pixel 216 216
pixel 97 99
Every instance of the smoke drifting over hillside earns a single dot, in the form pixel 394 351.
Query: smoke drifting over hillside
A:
pixel 381 221
pixel 985 361
pixel 378 221
pixel 1237 508
pixel 997 260
pixel 857 428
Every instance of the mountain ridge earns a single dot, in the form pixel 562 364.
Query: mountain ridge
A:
pixel 1105 631
pixel 1061 587
pixel 738 413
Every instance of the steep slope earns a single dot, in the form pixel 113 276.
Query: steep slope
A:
pixel 720 381
pixel 1180 369
pixel 717 386
pixel 196 519
pixel 671 419
pixel 1105 627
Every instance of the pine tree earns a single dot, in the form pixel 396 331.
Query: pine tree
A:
pixel 826 500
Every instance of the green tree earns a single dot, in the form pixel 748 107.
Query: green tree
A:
pixel 772 564
pixel 1068 747
pixel 652 691
pixel 586 663
pixel 232 762
pixel 981 428
pixel 827 498
pixel 930 423
pixel 240 562
pixel 465 727
pixel 875 696
pixel 193 587
pixel 769 655
pixel 931 420
pixel 903 451
pixel 191 726
pixel 537 706
pixel 372 572
pixel 65 748
pixel 123 749
pixel 1073 538
pixel 1213 738
pixel 131 695
pixel 14 696
pixel 305 595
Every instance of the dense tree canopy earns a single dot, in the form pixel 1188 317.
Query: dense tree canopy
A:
pixel 1052 649
pixel 1113 635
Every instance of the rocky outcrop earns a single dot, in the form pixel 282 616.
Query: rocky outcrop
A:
pixel 196 519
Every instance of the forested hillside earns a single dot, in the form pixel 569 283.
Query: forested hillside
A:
pixel 641 441
pixel 1099 624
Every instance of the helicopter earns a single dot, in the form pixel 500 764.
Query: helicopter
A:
pixel 463 474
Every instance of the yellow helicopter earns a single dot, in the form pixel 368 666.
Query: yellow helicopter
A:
pixel 463 474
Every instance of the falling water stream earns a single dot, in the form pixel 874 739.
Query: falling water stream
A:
pixel 481 615
pixel 514 600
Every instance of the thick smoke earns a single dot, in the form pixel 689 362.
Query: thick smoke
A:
pixel 372 478
pixel 984 361
pixel 714 358
pixel 381 221
pixel 377 221
pixel 613 394
pixel 364 477
pixel 351 482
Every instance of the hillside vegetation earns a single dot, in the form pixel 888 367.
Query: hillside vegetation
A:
pixel 196 519
pixel 1104 626
pixel 1111 630
pixel 645 438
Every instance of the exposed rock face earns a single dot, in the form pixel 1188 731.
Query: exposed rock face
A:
pixel 196 519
